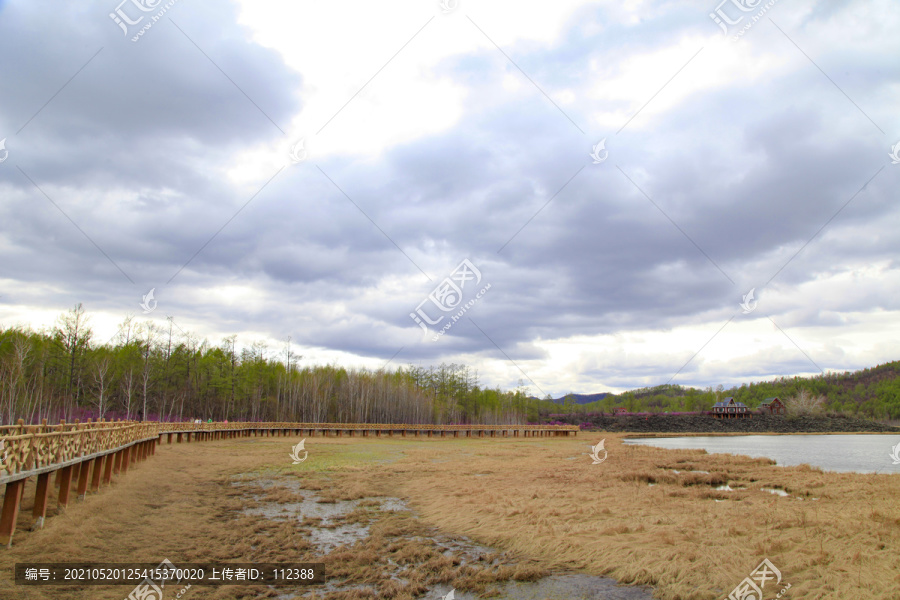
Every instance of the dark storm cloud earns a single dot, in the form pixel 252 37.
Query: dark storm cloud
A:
pixel 130 147
pixel 740 175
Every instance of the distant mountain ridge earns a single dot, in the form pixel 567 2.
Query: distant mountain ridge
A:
pixel 581 398
pixel 872 393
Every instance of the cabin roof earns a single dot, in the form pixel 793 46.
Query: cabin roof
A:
pixel 729 402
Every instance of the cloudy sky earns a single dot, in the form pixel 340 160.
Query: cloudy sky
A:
pixel 618 175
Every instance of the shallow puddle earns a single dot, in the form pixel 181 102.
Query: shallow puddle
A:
pixel 574 587
pixel 328 535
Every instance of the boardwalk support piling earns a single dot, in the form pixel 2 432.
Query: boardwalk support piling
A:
pixel 11 500
pixel 65 482
pixel 41 494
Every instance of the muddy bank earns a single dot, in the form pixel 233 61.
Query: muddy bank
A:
pixel 662 423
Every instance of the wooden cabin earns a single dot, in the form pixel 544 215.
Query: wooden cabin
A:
pixel 773 406
pixel 729 409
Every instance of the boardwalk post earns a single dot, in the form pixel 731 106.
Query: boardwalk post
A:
pixel 126 452
pixel 83 478
pixel 11 500
pixel 107 472
pixel 64 477
pixel 41 493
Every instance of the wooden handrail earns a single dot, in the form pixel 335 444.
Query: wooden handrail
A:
pixel 27 451
pixel 219 426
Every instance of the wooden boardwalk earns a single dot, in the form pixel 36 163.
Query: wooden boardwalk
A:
pixel 87 455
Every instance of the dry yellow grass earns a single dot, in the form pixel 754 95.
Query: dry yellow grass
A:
pixel 538 499
pixel 545 499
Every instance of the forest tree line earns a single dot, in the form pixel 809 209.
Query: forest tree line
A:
pixel 158 372
pixel 154 372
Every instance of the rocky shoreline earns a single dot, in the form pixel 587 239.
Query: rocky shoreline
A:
pixel 662 423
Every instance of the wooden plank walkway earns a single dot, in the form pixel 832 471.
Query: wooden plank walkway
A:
pixel 86 455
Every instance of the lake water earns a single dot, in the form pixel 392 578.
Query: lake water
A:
pixel 843 453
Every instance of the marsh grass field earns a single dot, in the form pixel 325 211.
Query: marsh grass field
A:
pixel 482 512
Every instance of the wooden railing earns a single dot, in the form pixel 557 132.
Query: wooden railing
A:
pixel 90 453
pixel 30 449
pixel 189 426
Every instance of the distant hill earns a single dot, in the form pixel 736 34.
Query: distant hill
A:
pixel 699 423
pixel 581 398
pixel 872 393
